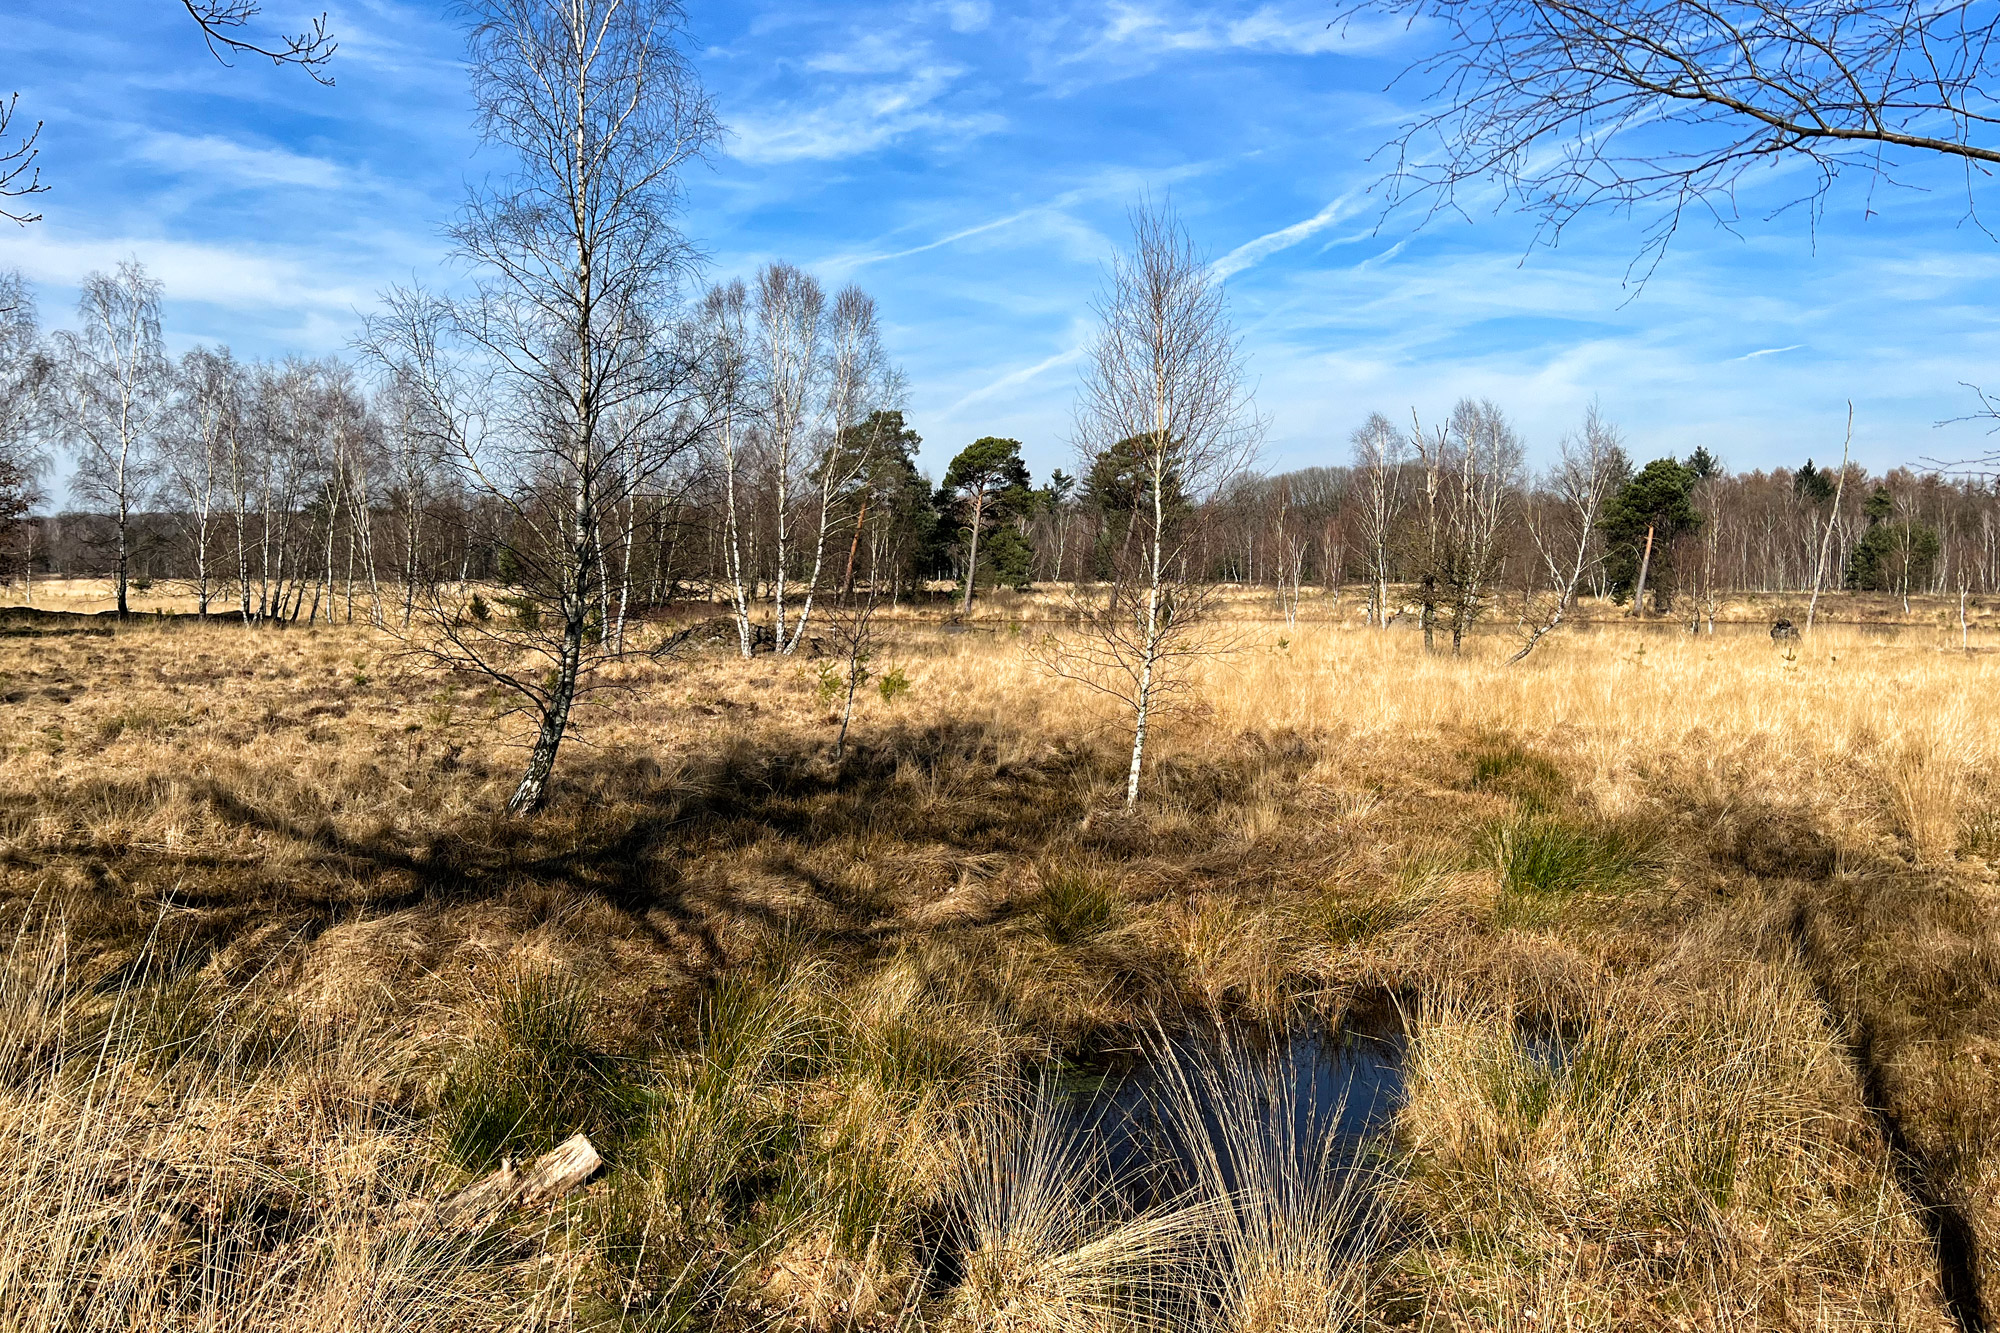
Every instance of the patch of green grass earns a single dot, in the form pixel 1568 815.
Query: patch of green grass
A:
pixel 1075 906
pixel 1544 860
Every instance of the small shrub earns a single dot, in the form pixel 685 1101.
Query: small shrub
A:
pixel 479 610
pixel 525 611
pixel 1074 907
pixel 829 683
pixel 142 585
pixel 892 685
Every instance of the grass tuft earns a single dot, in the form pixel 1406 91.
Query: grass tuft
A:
pixel 1075 906
pixel 1509 768
pixel 1544 859
pixel 530 1076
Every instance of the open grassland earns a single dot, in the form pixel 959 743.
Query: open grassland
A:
pixel 1696 940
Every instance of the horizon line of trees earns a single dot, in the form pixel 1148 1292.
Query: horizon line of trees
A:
pixel 290 489
pixel 277 489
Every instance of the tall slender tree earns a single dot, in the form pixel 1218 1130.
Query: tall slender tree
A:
pixel 24 374
pixel 1379 453
pixel 558 387
pixel 1165 380
pixel 115 388
pixel 981 478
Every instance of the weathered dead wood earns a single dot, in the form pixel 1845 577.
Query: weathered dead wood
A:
pixel 551 1176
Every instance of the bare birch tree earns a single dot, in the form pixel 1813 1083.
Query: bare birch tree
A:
pixel 791 314
pixel 415 464
pixel 557 387
pixel 1379 453
pixel 1165 381
pixel 114 384
pixel 1832 518
pixel 725 387
pixel 1659 106
pixel 1591 465
pixel 856 379
pixel 1486 464
pixel 24 374
pixel 209 400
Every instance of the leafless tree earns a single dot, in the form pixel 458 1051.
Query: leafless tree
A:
pixel 1486 465
pixel 1708 564
pixel 1379 453
pixel 24 375
pixel 1669 105
pixel 114 385
pixel 343 442
pixel 208 403
pixel 850 631
pixel 415 464
pixel 791 317
pixel 274 466
pixel 1428 542
pixel 1290 555
pixel 1165 380
pixel 19 176
pixel 1468 466
pixel 857 379
pixel 24 364
pixel 1565 537
pixel 1820 565
pixel 557 387
pixel 725 387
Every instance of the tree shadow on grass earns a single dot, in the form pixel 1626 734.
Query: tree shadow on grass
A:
pixel 663 849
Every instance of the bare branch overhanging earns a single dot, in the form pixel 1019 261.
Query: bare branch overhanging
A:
pixel 1662 106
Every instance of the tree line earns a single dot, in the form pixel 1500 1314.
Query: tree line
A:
pixel 322 489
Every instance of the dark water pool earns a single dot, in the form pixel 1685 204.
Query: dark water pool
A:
pixel 1222 1106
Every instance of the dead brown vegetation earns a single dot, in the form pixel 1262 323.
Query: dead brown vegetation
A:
pixel 1742 896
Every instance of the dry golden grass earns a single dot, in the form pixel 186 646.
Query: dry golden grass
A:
pixel 1738 882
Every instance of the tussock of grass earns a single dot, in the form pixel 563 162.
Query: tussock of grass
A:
pixel 1543 860
pixel 1508 768
pixel 1074 906
pixel 1301 1212
pixel 1041 1248
pixel 141 1191
pixel 529 1074
pixel 1684 1152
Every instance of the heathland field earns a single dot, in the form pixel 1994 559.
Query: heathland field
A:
pixel 1685 951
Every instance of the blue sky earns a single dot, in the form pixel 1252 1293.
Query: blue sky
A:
pixel 971 163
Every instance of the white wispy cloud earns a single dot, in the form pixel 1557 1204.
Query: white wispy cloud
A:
pixel 1255 252
pixel 968 15
pixel 234 277
pixel 953 238
pixel 1279 29
pixel 862 116
pixel 222 161
pixel 1015 378
pixel 1769 351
